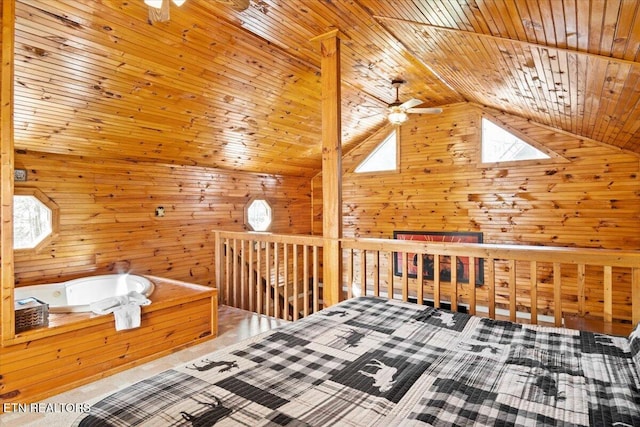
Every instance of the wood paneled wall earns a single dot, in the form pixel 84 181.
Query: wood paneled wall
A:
pixel 108 222
pixel 590 200
pixel 593 200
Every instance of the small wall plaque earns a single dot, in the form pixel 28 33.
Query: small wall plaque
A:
pixel 20 175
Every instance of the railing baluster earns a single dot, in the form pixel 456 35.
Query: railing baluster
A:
pixel 252 276
pixel 363 271
pixel 533 269
pixel 276 280
pixel 454 283
pixel 376 273
pixel 228 271
pixel 259 279
pixel 296 292
pixel 557 294
pixel 305 278
pixel 472 283
pixel 243 276
pixel 316 280
pixel 350 274
pixel 436 281
pixel 512 290
pixel 285 263
pixel 491 275
pixel 581 289
pixel 635 295
pixel 420 279
pixel 405 276
pixel 236 288
pixel 219 252
pixel 608 291
pixel 390 287
pixel 267 276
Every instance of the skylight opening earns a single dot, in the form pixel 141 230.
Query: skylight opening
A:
pixel 500 145
pixel 383 158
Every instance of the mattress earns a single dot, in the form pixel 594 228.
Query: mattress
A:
pixel 376 362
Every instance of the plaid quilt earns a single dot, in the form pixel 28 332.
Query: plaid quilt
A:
pixel 376 362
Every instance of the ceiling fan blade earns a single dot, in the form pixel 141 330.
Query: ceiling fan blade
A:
pixel 424 110
pixel 238 5
pixel 410 103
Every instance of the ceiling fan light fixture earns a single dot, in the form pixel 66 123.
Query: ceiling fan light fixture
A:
pixel 179 2
pixel 154 3
pixel 397 116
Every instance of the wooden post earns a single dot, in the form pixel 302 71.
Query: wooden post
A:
pixel 219 266
pixel 331 167
pixel 7 330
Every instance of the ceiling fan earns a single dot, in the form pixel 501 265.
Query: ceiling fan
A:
pixel 397 112
pixel 159 9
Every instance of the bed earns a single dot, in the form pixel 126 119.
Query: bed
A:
pixel 378 362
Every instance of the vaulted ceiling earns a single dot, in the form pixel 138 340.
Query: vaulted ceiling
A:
pixel 240 90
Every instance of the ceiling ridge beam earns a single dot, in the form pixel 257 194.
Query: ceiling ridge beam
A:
pixel 504 39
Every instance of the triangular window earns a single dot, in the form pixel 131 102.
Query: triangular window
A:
pixel 500 145
pixel 383 158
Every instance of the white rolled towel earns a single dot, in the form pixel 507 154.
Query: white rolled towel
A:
pixel 108 305
pixel 137 298
pixel 127 317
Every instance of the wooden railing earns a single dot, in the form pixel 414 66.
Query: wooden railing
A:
pixel 281 275
pixel 528 284
pixel 276 275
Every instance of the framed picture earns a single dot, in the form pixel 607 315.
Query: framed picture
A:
pixel 462 267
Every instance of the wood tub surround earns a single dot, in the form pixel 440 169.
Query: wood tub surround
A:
pixel 77 348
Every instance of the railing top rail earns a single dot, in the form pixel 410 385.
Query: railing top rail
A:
pixel 567 255
pixel 561 254
pixel 298 239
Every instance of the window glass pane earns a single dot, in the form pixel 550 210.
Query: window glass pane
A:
pixel 259 215
pixel 499 145
pixel 32 222
pixel 383 158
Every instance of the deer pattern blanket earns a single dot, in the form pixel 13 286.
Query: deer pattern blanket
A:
pixel 377 362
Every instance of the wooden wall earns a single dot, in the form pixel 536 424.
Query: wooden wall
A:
pixel 590 200
pixel 108 222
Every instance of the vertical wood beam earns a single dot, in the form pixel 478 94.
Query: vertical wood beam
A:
pixel 7 18
pixel 220 250
pixel 331 167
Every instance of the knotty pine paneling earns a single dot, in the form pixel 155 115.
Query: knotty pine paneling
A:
pixel 108 223
pixel 591 200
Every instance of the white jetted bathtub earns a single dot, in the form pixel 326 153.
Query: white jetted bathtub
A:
pixel 76 295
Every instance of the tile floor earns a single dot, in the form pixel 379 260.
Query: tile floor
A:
pixel 234 325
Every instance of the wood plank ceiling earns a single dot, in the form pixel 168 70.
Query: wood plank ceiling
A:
pixel 240 90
